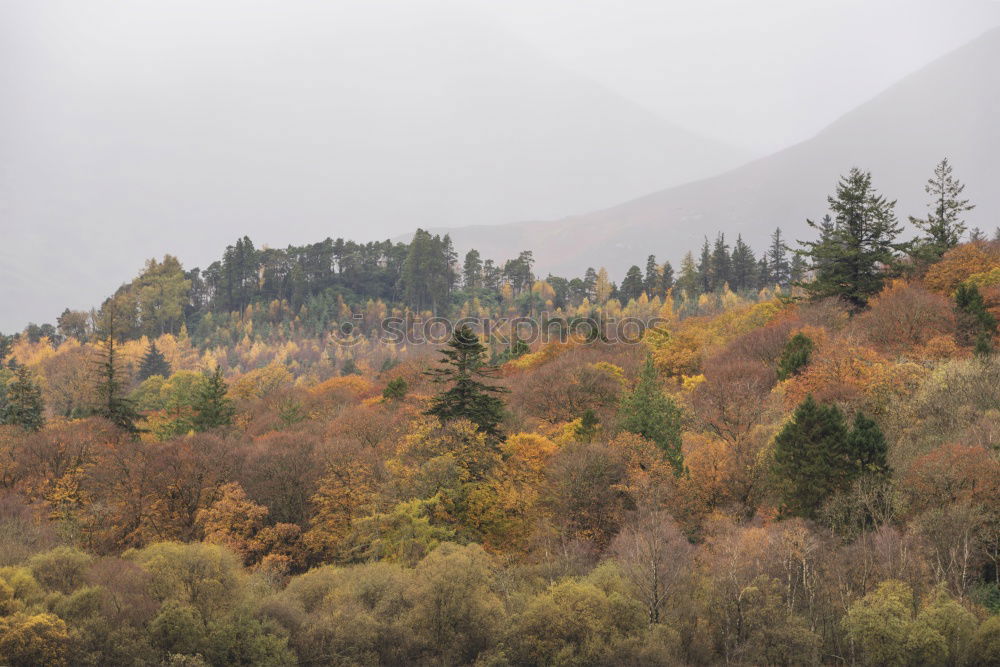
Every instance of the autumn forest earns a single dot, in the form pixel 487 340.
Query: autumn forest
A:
pixel 795 462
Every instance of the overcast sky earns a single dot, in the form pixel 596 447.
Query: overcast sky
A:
pixel 134 128
pixel 760 74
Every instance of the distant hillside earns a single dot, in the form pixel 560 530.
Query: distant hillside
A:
pixel 949 108
pixel 161 139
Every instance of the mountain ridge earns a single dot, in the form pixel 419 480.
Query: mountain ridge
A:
pixel 889 134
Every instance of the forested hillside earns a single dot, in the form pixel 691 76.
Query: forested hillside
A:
pixel 793 460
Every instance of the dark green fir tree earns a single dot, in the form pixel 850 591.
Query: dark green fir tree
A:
pixel 811 458
pixel 817 455
pixel 867 448
pixel 464 368
pixel 856 254
pixel 153 363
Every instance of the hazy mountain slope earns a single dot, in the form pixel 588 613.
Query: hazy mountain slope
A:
pixel 949 108
pixel 129 131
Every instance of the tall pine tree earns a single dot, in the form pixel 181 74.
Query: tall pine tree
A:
pixel 705 274
pixel 721 263
pixel 943 227
pixel 744 267
pixel 666 279
pixel 777 259
pixel 472 271
pixel 852 259
pixel 464 367
pixel 112 403
pixel 764 280
pixel 651 282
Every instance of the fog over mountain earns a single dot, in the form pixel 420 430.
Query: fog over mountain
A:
pixel 130 130
pixel 948 109
pixel 760 74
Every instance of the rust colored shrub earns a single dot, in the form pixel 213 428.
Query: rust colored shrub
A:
pixel 960 263
pixel 905 316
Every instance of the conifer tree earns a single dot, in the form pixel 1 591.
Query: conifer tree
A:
pixel 112 402
pixel 666 279
pixel 794 356
pixel 427 272
pixel 649 412
pixel 810 458
pixel 491 276
pixel 764 279
pixel 651 283
pixel 395 389
pixel 826 229
pixel 744 266
pixel 705 274
pixel 632 285
pixel 777 259
pixel 943 227
pixel 721 262
pixel 472 270
pixel 852 259
pixel 689 279
pixel 153 363
pixel 211 406
pixel 815 455
pixel 590 282
pixel 463 366
pixel 866 447
pixel 976 325
pixel 23 405
pixel 797 269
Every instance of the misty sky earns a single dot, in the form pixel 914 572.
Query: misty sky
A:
pixel 133 129
pixel 760 74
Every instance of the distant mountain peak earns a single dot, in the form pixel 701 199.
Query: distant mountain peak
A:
pixel 948 108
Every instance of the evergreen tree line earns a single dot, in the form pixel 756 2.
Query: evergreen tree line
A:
pixel 857 248
pixel 718 266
